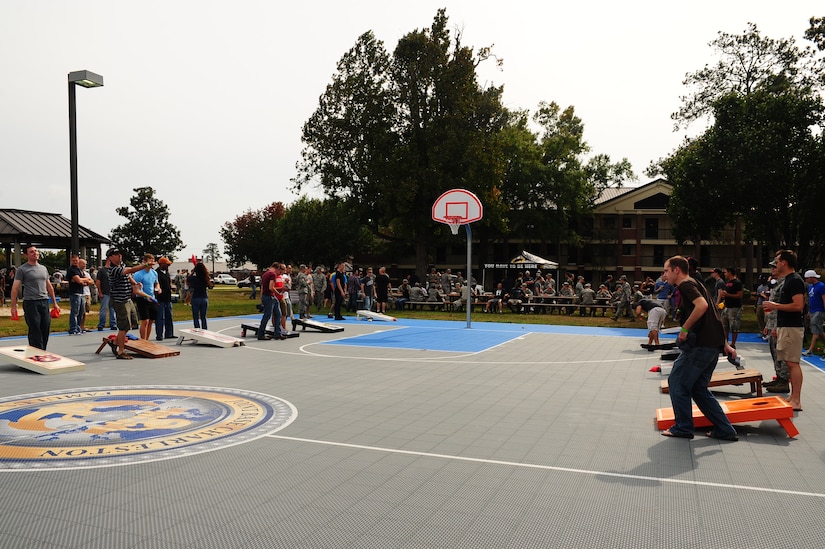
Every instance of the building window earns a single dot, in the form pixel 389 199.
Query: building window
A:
pixel 627 222
pixel 652 228
pixel 627 249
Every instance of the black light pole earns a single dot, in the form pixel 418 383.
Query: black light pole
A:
pixel 86 79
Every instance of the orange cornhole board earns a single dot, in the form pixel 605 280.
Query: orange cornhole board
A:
pixel 740 411
pixel 40 361
pixel 141 347
pixel 732 377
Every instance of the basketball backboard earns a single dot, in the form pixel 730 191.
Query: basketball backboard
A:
pixel 457 207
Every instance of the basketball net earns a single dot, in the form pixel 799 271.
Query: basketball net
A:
pixel 454 222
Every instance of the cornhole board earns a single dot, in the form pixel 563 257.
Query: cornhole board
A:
pixel 661 347
pixel 369 316
pixel 141 347
pixel 210 338
pixel 732 377
pixel 740 411
pixel 40 361
pixel 254 329
pixel 324 327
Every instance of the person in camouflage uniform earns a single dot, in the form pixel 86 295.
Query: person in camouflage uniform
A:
pixel 302 284
pixel 319 286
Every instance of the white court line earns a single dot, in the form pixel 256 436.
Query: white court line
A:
pixel 554 468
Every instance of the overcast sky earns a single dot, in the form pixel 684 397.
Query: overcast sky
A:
pixel 204 100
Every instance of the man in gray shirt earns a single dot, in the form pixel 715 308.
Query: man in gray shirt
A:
pixel 37 291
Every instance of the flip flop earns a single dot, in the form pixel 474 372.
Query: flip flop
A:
pixel 668 433
pixel 123 356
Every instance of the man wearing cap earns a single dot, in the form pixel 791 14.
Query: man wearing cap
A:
pixel 164 297
pixel 731 296
pixel 816 308
pixel 790 321
pixel 718 283
pixel 121 286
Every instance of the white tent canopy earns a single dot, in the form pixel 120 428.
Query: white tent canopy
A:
pixel 539 262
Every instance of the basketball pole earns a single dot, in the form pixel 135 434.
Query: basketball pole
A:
pixel 469 277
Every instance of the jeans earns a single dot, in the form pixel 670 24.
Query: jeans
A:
pixel 368 302
pixel 689 379
pixel 36 312
pixel 199 306
pixel 272 311
pixel 163 325
pixel 76 302
pixel 106 307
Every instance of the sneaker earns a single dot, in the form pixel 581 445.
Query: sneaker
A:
pixel 781 387
pixel 806 352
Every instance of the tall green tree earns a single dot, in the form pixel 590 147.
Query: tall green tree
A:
pixel 251 236
pixel 392 133
pixel 147 228
pixel 549 178
pixel 212 253
pixel 745 62
pixel 757 161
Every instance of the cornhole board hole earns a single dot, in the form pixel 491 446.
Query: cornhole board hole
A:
pixel 671 355
pixel 732 377
pixel 140 347
pixel 324 327
pixel 370 316
pixel 207 337
pixel 740 411
pixel 253 328
pixel 40 361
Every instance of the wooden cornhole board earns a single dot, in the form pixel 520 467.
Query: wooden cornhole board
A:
pixel 740 411
pixel 210 338
pixel 141 347
pixel 254 329
pixel 40 361
pixel 661 347
pixel 370 316
pixel 324 327
pixel 732 377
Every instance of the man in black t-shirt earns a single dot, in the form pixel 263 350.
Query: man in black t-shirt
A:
pixel 731 296
pixel 700 340
pixel 790 321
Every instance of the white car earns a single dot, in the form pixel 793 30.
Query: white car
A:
pixel 224 279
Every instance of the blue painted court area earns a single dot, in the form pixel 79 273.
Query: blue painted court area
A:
pixel 454 336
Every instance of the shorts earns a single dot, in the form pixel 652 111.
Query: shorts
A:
pixel 147 310
pixel 816 322
pixel 732 318
pixel 126 315
pixel 789 344
pixel 655 317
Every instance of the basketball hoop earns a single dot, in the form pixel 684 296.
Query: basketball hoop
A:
pixel 457 207
pixel 454 222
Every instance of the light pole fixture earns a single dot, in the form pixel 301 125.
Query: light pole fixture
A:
pixel 86 79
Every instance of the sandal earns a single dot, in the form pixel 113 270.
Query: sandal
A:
pixel 123 356
pixel 669 433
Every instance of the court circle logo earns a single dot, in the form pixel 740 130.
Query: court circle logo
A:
pixel 107 426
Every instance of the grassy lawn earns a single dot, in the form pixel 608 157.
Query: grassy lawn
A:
pixel 233 301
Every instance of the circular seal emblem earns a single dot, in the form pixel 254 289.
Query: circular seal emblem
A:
pixel 106 426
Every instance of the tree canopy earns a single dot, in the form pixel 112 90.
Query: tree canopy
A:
pixel 761 159
pixel 147 228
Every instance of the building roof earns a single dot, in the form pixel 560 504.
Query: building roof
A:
pixel 46 230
